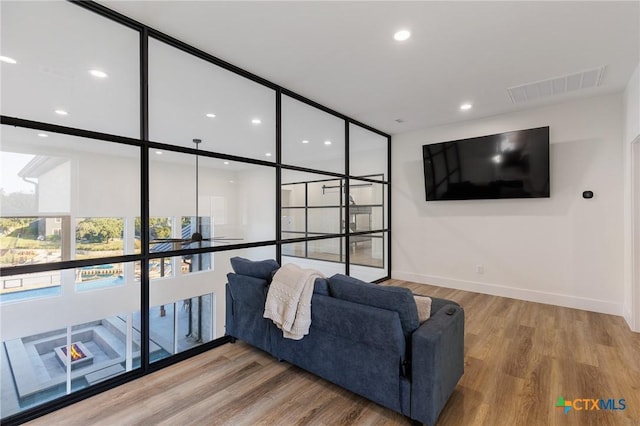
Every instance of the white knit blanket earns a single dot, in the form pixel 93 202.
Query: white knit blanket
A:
pixel 288 302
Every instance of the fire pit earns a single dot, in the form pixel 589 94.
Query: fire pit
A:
pixel 80 355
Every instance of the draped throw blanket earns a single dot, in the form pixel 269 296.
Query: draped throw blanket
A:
pixel 288 302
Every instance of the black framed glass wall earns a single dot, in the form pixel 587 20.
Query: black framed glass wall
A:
pixel 343 191
pixel 104 191
pixel 69 290
pixel 369 201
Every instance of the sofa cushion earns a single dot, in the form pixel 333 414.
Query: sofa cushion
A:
pixel 248 290
pixel 254 268
pixel 423 303
pixel 396 299
pixel 321 286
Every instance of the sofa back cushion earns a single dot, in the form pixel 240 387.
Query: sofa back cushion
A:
pixel 248 290
pixel 263 269
pixel 396 299
pixel 321 286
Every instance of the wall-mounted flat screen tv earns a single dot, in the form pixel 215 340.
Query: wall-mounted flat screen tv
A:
pixel 506 165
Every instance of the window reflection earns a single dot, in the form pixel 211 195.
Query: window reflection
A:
pixel 192 98
pixel 235 201
pixel 99 237
pixel 311 138
pixel 367 153
pixel 29 240
pixel 99 276
pixel 312 205
pixel 56 45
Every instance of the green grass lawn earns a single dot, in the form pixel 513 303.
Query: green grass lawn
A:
pixel 21 250
pixel 8 242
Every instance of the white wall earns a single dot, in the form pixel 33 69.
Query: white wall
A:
pixel 256 193
pixel 632 202
pixel 54 192
pixel 563 250
pixel 632 107
pixel 105 185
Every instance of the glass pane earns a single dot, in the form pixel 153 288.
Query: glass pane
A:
pixel 160 228
pixel 56 47
pixel 236 202
pixel 326 256
pixel 311 138
pixel 29 240
pixel 189 309
pixel 102 350
pixel 161 268
pixel 325 192
pixel 99 276
pixel 317 204
pixel 30 286
pixel 162 319
pixel 368 256
pixel 191 317
pixel 21 387
pixel 367 153
pixel 293 194
pixel 324 220
pixel 191 98
pixel 301 222
pixel 294 222
pixel 99 237
pixel 294 249
pixel 367 206
pixel 56 340
pixel 79 195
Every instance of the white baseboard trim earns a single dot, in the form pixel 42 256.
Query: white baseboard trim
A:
pixel 515 293
pixel 628 317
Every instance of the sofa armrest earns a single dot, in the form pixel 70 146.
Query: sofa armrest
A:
pixel 437 362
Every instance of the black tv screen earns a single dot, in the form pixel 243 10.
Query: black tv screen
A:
pixel 506 165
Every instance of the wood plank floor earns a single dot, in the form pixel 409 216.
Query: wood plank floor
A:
pixel 519 358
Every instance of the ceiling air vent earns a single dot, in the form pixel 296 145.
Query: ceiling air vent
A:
pixel 556 86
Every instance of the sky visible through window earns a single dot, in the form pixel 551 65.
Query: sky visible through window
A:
pixel 12 163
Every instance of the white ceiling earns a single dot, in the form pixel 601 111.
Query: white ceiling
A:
pixel 342 54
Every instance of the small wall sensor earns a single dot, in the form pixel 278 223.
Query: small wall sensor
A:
pixel 587 194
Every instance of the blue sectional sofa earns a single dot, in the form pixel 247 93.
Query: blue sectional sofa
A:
pixel 363 337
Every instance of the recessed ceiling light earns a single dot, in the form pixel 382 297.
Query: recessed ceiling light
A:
pixel 327 142
pixel 230 181
pixel 402 35
pixel 225 163
pixel 305 141
pixel 61 112
pixel 268 154
pixel 256 121
pixel 98 73
pixel 43 135
pixel 211 115
pixel 8 60
pixel 465 107
pixel 159 152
